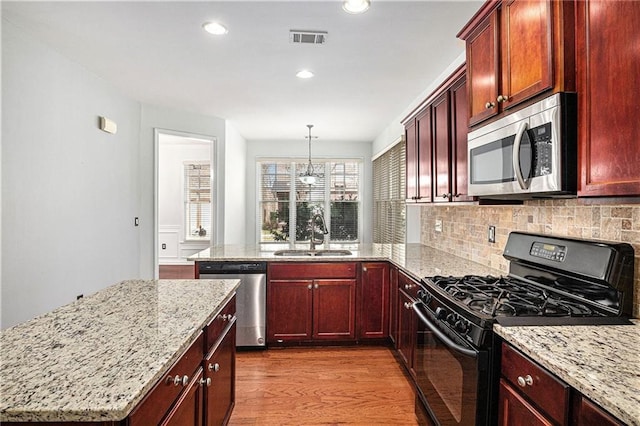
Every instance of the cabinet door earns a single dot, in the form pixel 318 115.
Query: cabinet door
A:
pixel 221 369
pixel 188 409
pixel 334 303
pixel 482 69
pixel 289 310
pixel 411 169
pixel 393 292
pixel 515 410
pixel 608 108
pixel 406 329
pixel 441 145
pixel 459 132
pixel 526 52
pixel 425 141
pixel 374 301
pixel 586 413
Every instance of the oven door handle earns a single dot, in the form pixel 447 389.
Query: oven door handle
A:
pixel 450 343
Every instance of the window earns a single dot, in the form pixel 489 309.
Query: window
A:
pixel 197 200
pixel 389 185
pixel 287 205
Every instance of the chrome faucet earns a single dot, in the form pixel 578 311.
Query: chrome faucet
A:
pixel 312 240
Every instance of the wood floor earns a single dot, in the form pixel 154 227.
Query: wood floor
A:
pixel 322 386
pixel 178 272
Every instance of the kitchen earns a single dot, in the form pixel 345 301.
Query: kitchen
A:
pixel 128 167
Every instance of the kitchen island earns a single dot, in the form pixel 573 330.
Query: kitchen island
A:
pixel 601 362
pixel 95 359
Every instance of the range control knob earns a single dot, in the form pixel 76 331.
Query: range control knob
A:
pixel 451 319
pixel 441 313
pixel 462 326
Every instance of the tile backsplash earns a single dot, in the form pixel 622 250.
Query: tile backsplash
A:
pixel 465 228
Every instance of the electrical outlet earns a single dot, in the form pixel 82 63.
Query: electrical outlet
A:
pixel 136 222
pixel 438 225
pixel 164 246
pixel 492 234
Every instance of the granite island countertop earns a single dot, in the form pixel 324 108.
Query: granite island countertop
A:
pixel 415 259
pixel 96 358
pixel 601 362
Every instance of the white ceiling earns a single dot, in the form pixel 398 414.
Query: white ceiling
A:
pixel 373 67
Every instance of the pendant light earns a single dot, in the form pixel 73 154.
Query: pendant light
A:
pixel 308 177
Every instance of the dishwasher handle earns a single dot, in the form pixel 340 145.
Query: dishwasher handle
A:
pixel 232 268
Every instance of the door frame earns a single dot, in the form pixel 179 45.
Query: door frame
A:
pixel 156 172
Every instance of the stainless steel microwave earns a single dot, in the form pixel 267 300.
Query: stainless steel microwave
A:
pixel 529 153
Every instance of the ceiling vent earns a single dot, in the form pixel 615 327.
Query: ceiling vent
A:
pixel 307 37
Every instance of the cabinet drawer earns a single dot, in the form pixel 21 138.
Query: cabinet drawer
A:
pixel 312 270
pixel 214 329
pixel 160 399
pixel 542 388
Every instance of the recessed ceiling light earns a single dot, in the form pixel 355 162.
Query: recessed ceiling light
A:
pixel 356 6
pixel 215 28
pixel 304 74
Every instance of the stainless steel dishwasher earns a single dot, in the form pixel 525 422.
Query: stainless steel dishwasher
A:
pixel 250 297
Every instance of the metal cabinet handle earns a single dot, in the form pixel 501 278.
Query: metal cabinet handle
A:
pixel 502 98
pixel 177 380
pixel 315 286
pixel 364 269
pixel 205 382
pixel 525 381
pixel 408 286
pixel 457 195
pixel 310 286
pixel 489 105
pixel 214 367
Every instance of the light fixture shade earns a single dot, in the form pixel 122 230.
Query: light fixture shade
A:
pixel 308 179
pixel 304 74
pixel 356 6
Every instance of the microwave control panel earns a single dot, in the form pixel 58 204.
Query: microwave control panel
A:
pixel 541 140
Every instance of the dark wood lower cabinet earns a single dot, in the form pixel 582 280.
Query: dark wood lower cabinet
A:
pixel 407 322
pixel 220 378
pixel 310 302
pixel 373 301
pixel 515 410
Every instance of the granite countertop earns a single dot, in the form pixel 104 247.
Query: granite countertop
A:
pixel 601 362
pixel 96 358
pixel 416 259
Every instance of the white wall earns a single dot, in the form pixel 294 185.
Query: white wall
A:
pixel 395 130
pixel 319 149
pixel 235 203
pixel 69 191
pixel 158 117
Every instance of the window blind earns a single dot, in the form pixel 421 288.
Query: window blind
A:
pixel 389 183
pixel 197 191
pixel 287 205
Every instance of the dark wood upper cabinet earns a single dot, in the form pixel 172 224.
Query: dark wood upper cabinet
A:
pixel 418 168
pixel 517 50
pixel 608 108
pixel 437 144
pixel 441 148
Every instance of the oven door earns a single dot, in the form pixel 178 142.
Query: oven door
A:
pixel 452 376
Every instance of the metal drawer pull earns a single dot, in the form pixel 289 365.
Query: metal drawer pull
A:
pixel 214 367
pixel 177 380
pixel 524 381
pixel 205 382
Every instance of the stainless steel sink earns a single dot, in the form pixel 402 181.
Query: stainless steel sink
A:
pixel 303 252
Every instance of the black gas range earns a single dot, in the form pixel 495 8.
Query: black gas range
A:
pixel 551 280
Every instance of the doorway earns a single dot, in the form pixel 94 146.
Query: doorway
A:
pixel 185 195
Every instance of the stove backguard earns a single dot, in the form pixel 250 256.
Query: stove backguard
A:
pixel 599 273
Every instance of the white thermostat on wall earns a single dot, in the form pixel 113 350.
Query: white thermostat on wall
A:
pixel 108 126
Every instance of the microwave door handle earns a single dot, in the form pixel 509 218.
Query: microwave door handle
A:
pixel 516 155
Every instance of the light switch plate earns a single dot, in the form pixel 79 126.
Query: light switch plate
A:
pixel 438 227
pixel 492 234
